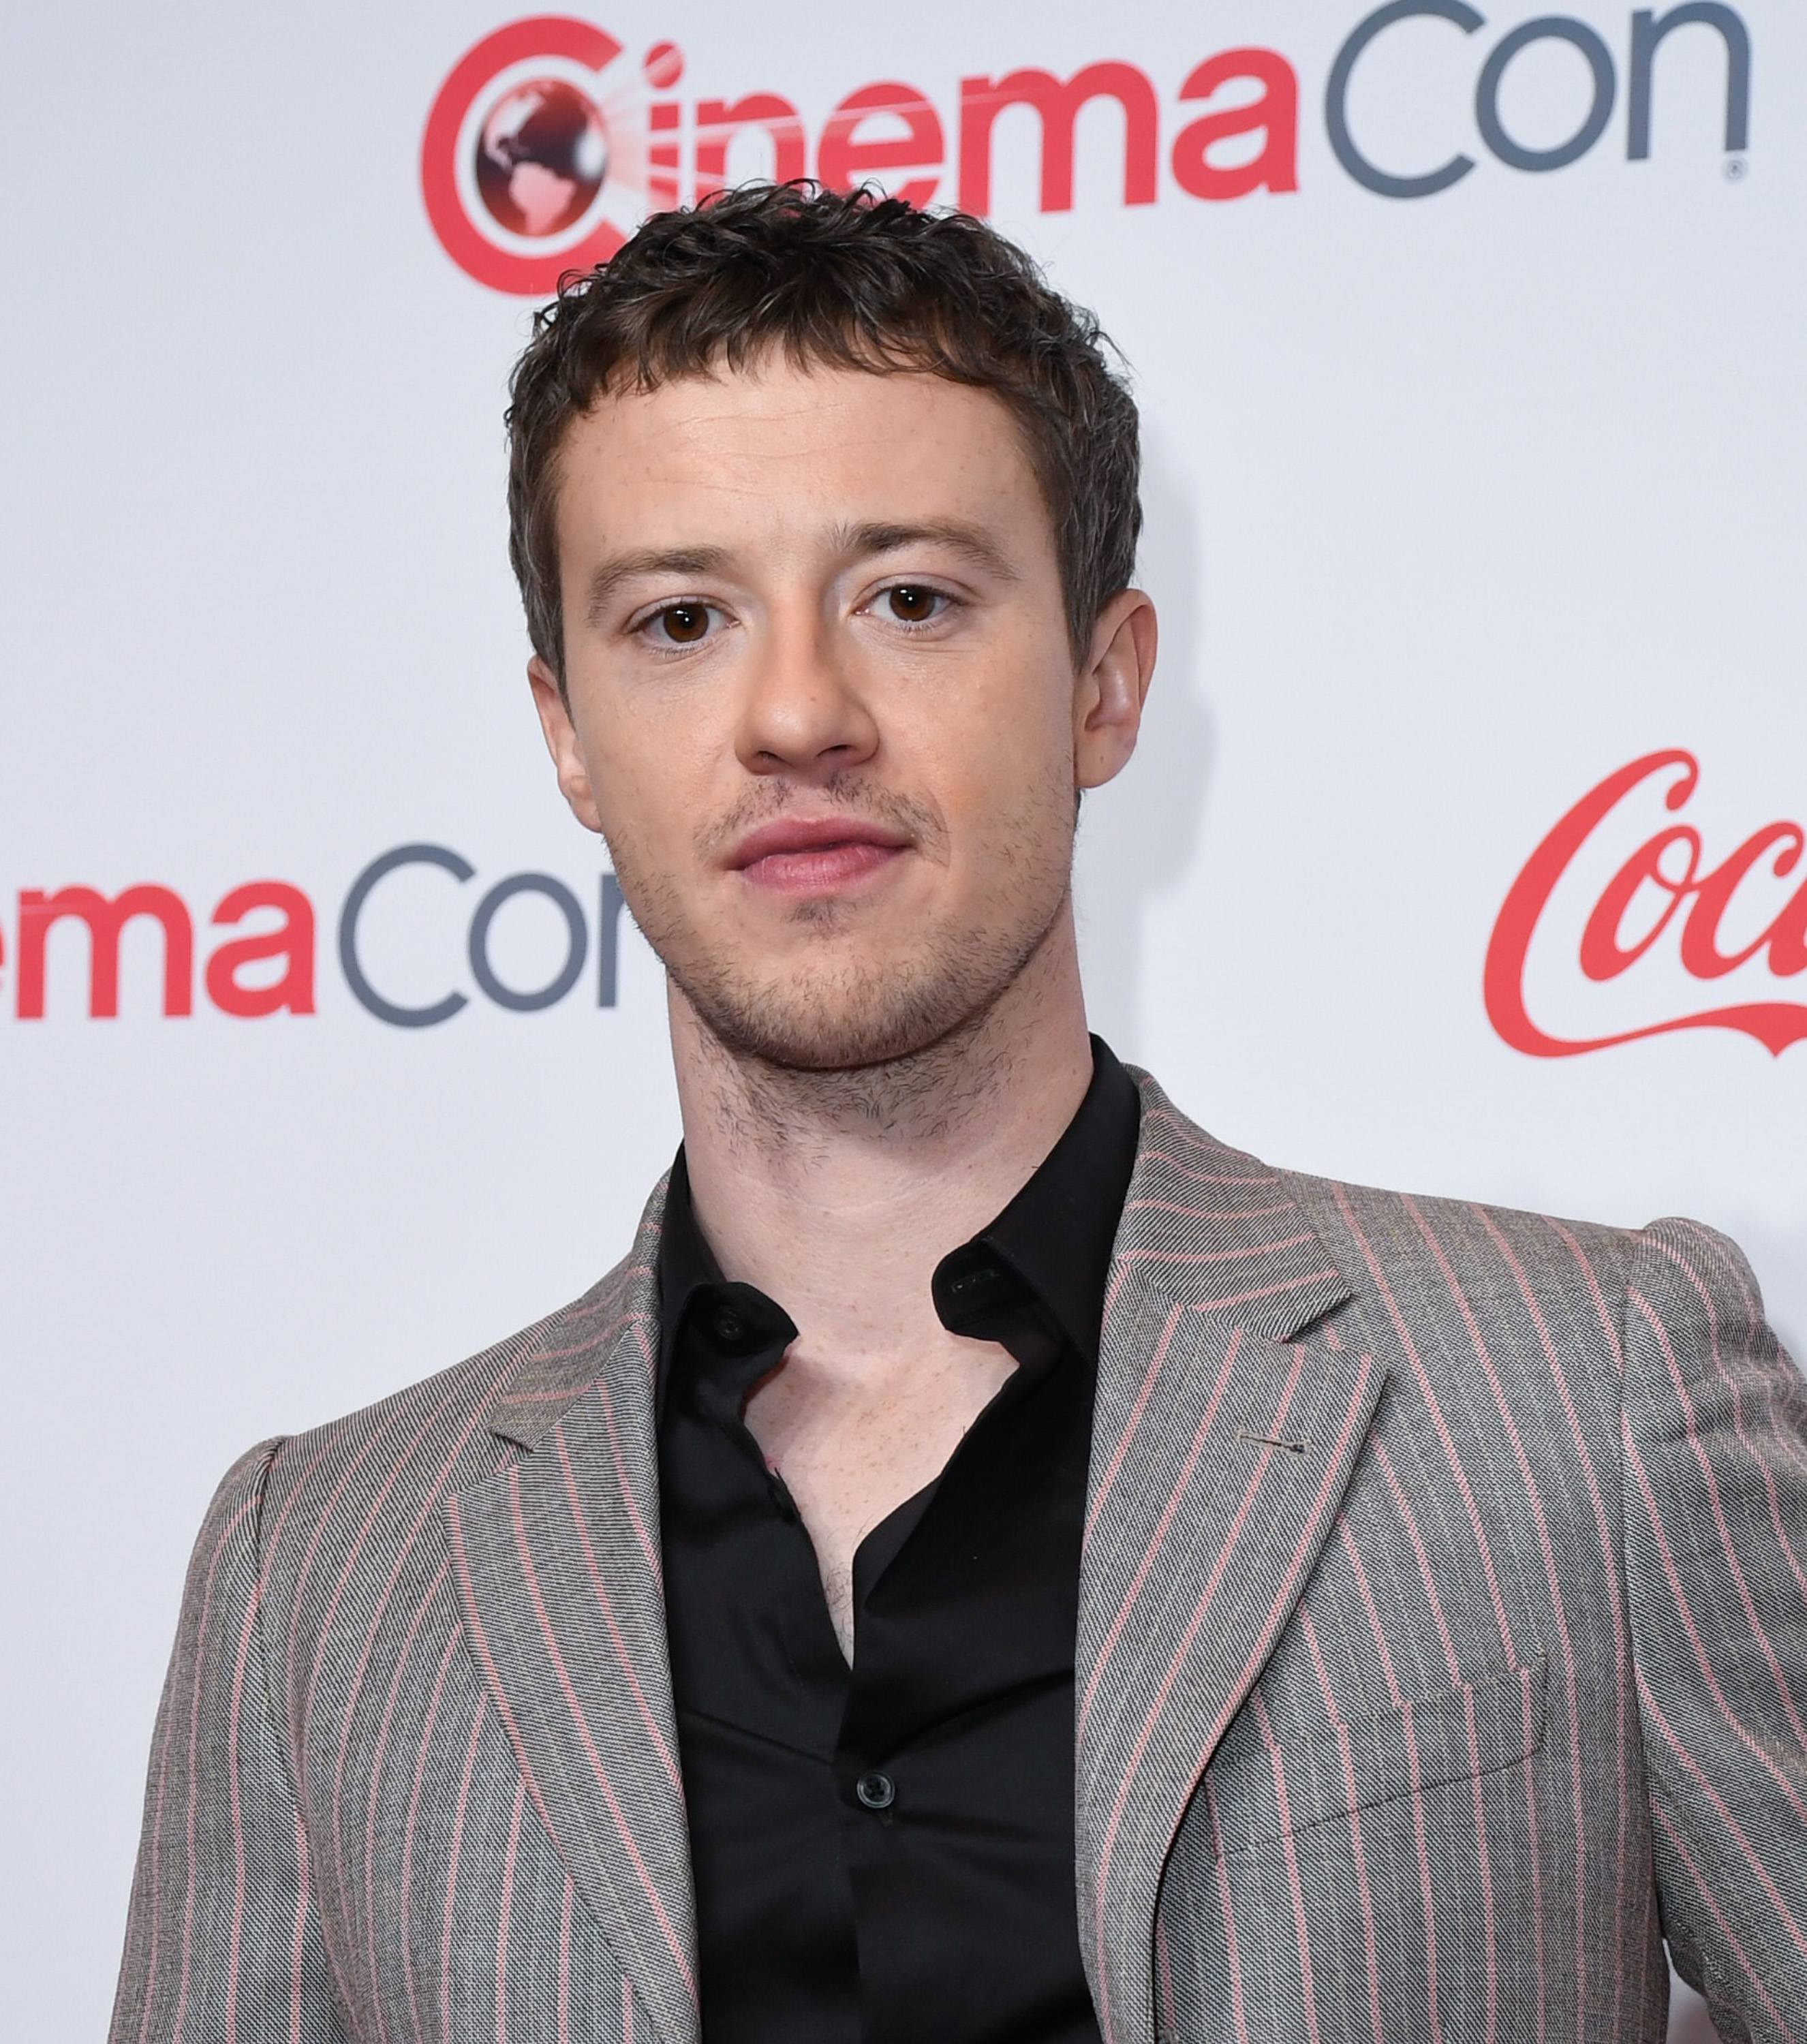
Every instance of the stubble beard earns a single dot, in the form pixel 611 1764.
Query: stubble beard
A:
pixel 874 1039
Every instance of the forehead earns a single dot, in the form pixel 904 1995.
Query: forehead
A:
pixel 779 449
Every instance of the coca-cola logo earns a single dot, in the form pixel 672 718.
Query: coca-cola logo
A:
pixel 1667 917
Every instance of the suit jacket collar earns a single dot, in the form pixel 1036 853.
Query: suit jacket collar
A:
pixel 1201 1532
pixel 1222 1442
pixel 558 1564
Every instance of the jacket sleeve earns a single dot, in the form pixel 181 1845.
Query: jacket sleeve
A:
pixel 223 1939
pixel 1716 1564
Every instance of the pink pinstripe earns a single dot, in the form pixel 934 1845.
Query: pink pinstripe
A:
pixel 1409 1519
pixel 1356 1846
pixel 668 1758
pixel 1282 1602
pixel 1553 1362
pixel 479 1639
pixel 457 1815
pixel 624 1829
pixel 1486 1867
pixel 1537 1850
pixel 247 1632
pixel 1411 1753
pixel 1448 1445
pixel 396 1464
pixel 505 1911
pixel 231 1527
pixel 406 1548
pixel 564 1960
pixel 1292 1857
pixel 1189 1257
pixel 323 1519
pixel 1692 1768
pixel 299 1946
pixel 1436 1412
pixel 156 1855
pixel 1161 1528
pixel 420 1759
pixel 1691 1430
pixel 1758 1462
pixel 1144 1391
pixel 1535 1497
pixel 1705 1894
pixel 1229 1913
pixel 647 1546
pixel 1207 1213
pixel 1734 1723
pixel 1163 1974
pixel 1423 1869
pixel 375 1780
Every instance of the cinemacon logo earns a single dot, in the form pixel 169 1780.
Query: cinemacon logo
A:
pixel 548 142
pixel 269 968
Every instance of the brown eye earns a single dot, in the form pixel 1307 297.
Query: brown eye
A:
pixel 911 605
pixel 684 624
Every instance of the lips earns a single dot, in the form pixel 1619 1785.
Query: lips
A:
pixel 815 855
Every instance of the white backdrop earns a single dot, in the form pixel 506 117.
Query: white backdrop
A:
pixel 1457 504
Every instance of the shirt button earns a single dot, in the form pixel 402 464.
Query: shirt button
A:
pixel 729 1327
pixel 876 1791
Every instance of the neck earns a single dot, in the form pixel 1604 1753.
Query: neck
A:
pixel 837 1192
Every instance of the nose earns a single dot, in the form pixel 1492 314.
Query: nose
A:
pixel 803 713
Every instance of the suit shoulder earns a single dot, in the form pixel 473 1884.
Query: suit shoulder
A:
pixel 372 1474
pixel 1403 1227
pixel 1698 1285
pixel 1441 1271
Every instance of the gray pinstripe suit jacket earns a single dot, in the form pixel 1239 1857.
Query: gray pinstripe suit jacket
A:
pixel 1443 1643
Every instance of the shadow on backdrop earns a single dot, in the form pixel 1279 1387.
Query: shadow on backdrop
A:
pixel 1137 837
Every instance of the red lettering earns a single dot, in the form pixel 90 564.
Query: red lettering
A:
pixel 719 120
pixel 293 940
pixel 983 99
pixel 842 159
pixel 1601 955
pixel 1276 114
pixel 1787 936
pixel 105 919
pixel 1775 1024
pixel 1700 954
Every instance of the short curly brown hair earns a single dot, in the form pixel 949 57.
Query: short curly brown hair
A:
pixel 851 280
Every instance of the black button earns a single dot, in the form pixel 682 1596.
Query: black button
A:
pixel 875 1791
pixel 729 1327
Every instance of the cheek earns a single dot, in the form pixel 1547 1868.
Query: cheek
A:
pixel 1009 791
pixel 643 770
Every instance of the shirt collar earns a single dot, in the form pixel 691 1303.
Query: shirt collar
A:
pixel 1056 1236
pixel 1054 1240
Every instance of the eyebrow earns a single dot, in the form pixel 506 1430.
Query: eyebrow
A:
pixel 651 561
pixel 972 541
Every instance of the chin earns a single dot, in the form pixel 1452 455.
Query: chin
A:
pixel 797 1033
pixel 851 1016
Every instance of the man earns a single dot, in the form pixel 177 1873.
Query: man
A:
pixel 992 1563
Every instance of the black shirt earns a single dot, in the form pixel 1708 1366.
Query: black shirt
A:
pixel 884 1854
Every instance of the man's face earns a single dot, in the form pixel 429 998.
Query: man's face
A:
pixel 822 701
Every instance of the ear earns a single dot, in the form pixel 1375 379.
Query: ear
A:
pixel 1111 688
pixel 562 742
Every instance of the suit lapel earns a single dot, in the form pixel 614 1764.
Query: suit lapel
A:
pixel 557 1559
pixel 1201 1535
pixel 1221 1449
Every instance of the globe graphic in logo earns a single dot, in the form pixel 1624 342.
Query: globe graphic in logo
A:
pixel 542 154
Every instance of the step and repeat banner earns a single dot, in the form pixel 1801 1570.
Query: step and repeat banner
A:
pixel 1465 851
